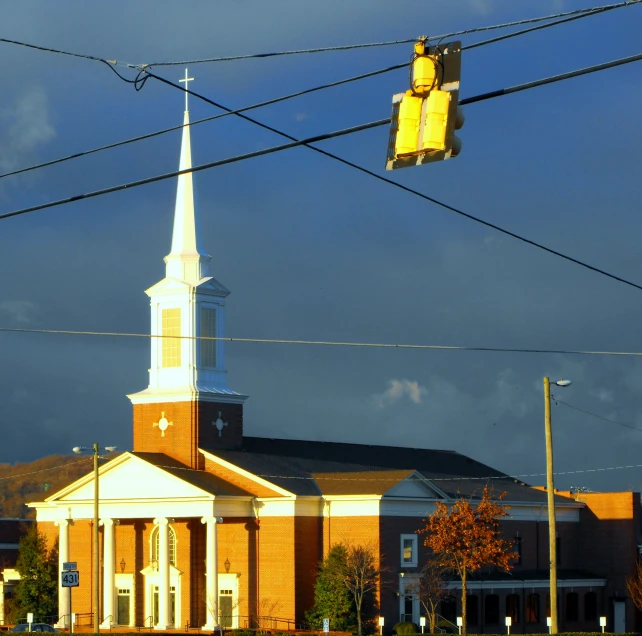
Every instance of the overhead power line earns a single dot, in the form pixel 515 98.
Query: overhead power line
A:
pixel 328 343
pixel 470 100
pixel 46 470
pixel 330 477
pixel 573 16
pixel 306 142
pixel 566 16
pixel 578 13
pixel 46 49
pixel 268 102
pixel 599 417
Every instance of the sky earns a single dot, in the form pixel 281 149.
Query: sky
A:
pixel 314 250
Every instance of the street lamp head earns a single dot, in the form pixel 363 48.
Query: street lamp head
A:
pixel 77 449
pixel 563 383
pixel 111 449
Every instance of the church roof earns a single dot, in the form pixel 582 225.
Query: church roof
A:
pixel 199 478
pixel 305 467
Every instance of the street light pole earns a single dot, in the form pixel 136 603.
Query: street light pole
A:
pixel 96 547
pixel 550 493
pixel 96 537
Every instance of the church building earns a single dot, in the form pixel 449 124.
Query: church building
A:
pixel 202 525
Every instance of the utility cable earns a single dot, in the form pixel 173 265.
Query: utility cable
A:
pixel 599 417
pixel 589 12
pixel 46 49
pixel 44 470
pixel 269 102
pixel 578 13
pixel 347 131
pixel 327 343
pixel 331 477
pixel 470 100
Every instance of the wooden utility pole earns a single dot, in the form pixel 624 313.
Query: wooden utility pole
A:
pixel 550 492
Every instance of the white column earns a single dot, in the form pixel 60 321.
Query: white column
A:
pixel 211 573
pixel 109 574
pixel 64 593
pixel 163 574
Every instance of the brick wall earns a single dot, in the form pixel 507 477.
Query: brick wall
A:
pixel 308 553
pixel 609 534
pixel 276 558
pixel 191 428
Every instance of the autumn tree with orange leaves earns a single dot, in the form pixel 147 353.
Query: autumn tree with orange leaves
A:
pixel 634 585
pixel 466 537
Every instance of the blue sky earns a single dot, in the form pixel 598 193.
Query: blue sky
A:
pixel 314 250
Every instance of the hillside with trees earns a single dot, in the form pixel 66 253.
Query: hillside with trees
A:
pixel 35 481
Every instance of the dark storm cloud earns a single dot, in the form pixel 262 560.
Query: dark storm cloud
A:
pixel 312 250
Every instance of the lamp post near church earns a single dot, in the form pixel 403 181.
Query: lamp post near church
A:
pixel 96 595
pixel 550 493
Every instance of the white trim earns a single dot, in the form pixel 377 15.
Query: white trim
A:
pixel 229 581
pixel 125 581
pixel 414 548
pixel 160 396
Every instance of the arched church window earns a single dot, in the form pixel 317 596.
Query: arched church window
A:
pixel 155 546
pixel 208 330
pixel 171 343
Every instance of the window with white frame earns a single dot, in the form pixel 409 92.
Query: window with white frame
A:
pixel 155 546
pixel 409 550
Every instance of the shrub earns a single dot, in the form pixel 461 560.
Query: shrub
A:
pixel 405 629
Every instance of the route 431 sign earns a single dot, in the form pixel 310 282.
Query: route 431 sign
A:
pixel 69 579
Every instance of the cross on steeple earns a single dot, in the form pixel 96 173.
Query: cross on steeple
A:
pixel 186 80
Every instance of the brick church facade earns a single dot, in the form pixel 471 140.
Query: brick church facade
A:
pixel 201 525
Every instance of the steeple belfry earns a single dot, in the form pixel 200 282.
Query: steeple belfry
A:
pixel 187 405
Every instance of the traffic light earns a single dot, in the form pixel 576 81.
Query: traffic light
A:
pixel 424 118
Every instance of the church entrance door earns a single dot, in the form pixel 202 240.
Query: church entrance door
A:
pixel 123 607
pixel 156 605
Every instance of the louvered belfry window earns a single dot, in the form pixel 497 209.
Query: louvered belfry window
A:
pixel 171 347
pixel 208 330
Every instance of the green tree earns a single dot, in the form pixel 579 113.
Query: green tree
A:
pixel 37 590
pixel 332 599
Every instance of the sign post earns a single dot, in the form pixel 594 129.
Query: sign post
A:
pixel 422 622
pixel 30 619
pixel 509 622
pixel 69 578
pixel 602 622
pixel 326 625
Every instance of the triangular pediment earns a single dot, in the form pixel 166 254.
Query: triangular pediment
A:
pixel 414 486
pixel 130 478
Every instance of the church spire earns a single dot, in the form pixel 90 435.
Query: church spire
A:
pixel 187 260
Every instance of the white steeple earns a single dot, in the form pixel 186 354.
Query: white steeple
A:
pixel 187 306
pixel 187 259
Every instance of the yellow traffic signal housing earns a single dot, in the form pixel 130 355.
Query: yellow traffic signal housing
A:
pixel 424 118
